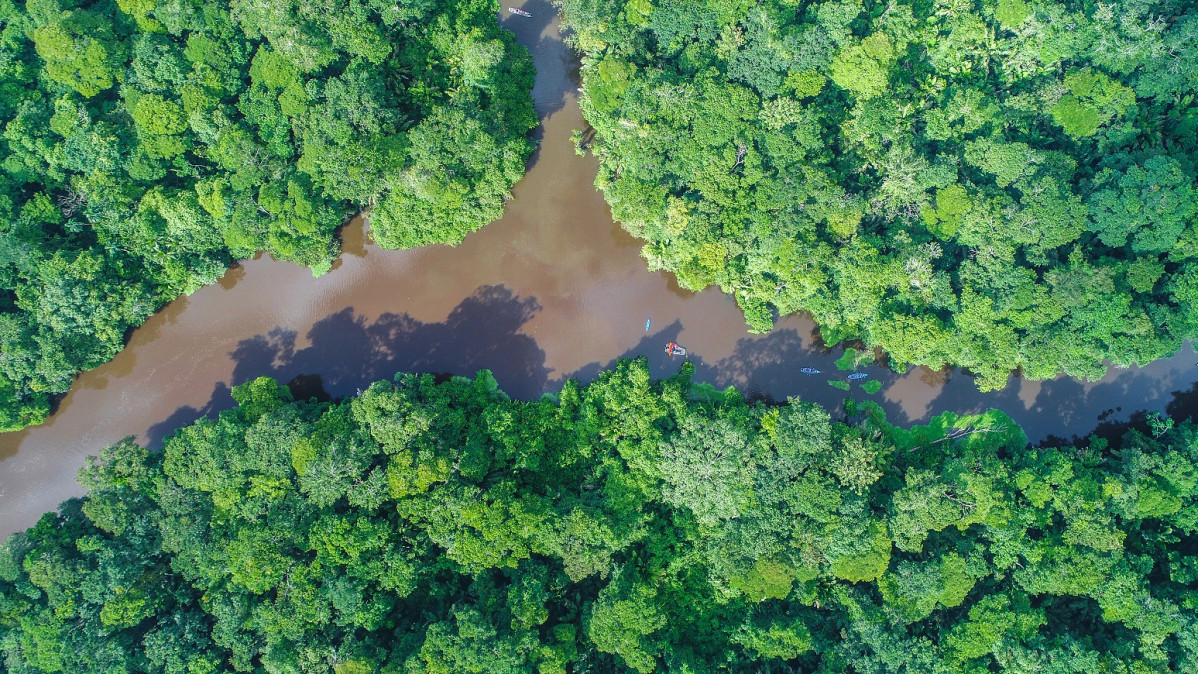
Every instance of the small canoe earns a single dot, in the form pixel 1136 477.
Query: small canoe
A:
pixel 808 370
pixel 647 324
pixel 519 12
pixel 857 375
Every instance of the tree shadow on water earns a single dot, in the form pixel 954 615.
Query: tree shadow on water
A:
pixel 349 353
pixel 344 353
pixel 762 369
pixel 1064 410
pixel 557 64
pixel 770 369
pixel 652 346
pixel 1142 399
pixel 1078 410
pixel 1184 404
pixel 767 368
pixel 220 400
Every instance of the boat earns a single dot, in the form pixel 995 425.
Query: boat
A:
pixel 519 12
pixel 808 370
pixel 857 375
pixel 673 349
pixel 647 324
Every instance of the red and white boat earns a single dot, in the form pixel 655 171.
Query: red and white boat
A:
pixel 674 349
pixel 519 12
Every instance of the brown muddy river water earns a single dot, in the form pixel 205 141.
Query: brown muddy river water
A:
pixel 551 291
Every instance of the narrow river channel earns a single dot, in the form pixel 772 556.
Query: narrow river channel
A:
pixel 551 291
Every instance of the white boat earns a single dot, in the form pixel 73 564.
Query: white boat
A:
pixel 519 12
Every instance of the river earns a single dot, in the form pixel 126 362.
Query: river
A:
pixel 551 291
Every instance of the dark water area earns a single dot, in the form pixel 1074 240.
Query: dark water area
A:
pixel 554 290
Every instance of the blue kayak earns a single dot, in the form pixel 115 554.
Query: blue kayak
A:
pixel 857 375
pixel 808 370
pixel 647 324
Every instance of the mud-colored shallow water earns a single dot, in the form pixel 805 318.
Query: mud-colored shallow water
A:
pixel 553 290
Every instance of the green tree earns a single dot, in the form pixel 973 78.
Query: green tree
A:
pixel 932 196
pixel 442 526
pixel 146 145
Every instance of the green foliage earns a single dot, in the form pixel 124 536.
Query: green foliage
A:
pixel 872 386
pixel 79 47
pixel 626 525
pixel 853 358
pixel 1093 99
pixel 997 185
pixel 863 69
pixel 1011 13
pixel 143 146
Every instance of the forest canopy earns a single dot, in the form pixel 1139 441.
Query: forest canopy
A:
pixel 625 525
pixel 993 184
pixel 144 144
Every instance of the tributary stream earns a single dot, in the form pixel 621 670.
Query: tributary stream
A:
pixel 551 291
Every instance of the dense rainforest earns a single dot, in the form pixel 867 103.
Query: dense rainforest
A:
pixel 436 525
pixel 993 184
pixel 145 144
